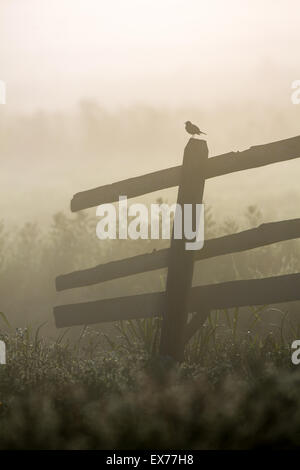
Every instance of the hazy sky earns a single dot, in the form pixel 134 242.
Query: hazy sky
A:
pixel 146 66
pixel 164 52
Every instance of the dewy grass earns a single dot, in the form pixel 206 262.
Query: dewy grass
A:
pixel 227 394
pixel 220 326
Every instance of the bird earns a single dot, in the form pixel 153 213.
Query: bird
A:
pixel 192 129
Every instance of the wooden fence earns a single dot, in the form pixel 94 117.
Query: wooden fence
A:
pixel 180 298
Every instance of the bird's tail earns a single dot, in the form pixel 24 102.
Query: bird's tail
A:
pixel 203 133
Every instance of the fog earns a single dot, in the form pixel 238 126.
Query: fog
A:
pixel 48 156
pixel 99 91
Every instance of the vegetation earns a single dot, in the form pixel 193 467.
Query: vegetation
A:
pixel 107 386
pixel 229 393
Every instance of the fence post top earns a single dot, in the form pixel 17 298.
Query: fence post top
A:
pixel 196 143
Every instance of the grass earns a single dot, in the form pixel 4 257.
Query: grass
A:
pixel 236 389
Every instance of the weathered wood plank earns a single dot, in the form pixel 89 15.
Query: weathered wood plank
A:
pixel 181 260
pixel 113 270
pixel 109 310
pixel 131 187
pixel 230 294
pixel 265 234
pixel 256 156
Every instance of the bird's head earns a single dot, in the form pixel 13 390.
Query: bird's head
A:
pixel 187 122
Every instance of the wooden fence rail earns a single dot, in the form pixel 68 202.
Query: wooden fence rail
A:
pixel 223 295
pixel 265 234
pixel 231 162
pixel 179 299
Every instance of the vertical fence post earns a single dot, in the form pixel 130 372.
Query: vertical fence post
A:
pixel 181 261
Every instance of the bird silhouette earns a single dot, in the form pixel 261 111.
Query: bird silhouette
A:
pixel 192 129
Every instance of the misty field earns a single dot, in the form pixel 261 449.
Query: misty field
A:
pixel 106 387
pixel 233 393
pixel 99 101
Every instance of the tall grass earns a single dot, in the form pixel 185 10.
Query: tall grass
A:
pixel 234 390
